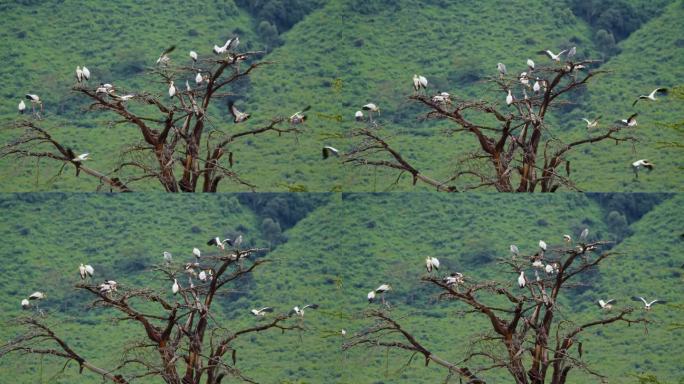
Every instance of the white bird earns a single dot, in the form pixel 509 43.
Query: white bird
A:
pixel 567 238
pixel 524 79
pixel 419 82
pixel 514 250
pixel 198 78
pixel 187 86
pixel 203 275
pixel 643 163
pixel 571 53
pixel 358 116
pixel 371 296
pixel 193 55
pixel 300 311
pixel 167 257
pixel 647 305
pixel 172 89
pixel 628 122
pixel 521 280
pixel 509 98
pixel 175 287
pixel 542 245
pixel 530 64
pixel 592 123
pixel 219 243
pixel 25 304
pixel 238 117
pixel 502 70
pixel 430 263
pixel 113 284
pixel 196 252
pixel 299 117
pixel 237 242
pixel 21 107
pixel 123 97
pixel 81 157
pixel 343 332
pixel 86 73
pixel 330 151
pixel 548 269
pixel 651 96
pixel 37 295
pixel 262 311
pixel 536 87
pixel 85 271
pixel 164 58
pixel 538 264
pixel 584 234
pixel 79 74
pixel 453 278
pixel 105 88
pixel 606 304
pixel 553 57
pixel 383 288
pixel 35 100
pixel 230 45
pixel 371 107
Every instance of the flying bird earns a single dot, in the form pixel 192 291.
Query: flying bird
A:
pixel 592 123
pixel 553 57
pixel 606 304
pixel 299 117
pixel 262 311
pixel 164 58
pixel 219 243
pixel 431 263
pixel 330 151
pixel 238 117
pixel 629 122
pixel 300 311
pixel 651 96
pixel 647 305
pixel 643 163
pixel 230 45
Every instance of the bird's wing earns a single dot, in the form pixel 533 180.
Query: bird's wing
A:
pixel 658 301
pixel 634 115
pixel 312 306
pixel 233 110
pixel 636 101
pixel 266 309
pixel 598 118
pixel 662 91
pixel 562 52
pixel 547 53
pixel 212 242
pixel 611 301
pixel 325 152
pixel 637 298
pixel 169 50
pixel 588 122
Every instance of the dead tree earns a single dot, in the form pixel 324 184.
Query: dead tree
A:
pixel 181 146
pixel 516 150
pixel 184 340
pixel 529 336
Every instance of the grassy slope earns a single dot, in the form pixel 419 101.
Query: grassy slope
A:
pixel 372 54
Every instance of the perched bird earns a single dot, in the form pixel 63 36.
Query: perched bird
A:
pixel 237 242
pixel 651 96
pixel 453 279
pixel 643 163
pixel 300 311
pixel 502 70
pixel 592 123
pixel 86 73
pixel 536 87
pixel 81 157
pixel 419 82
pixel 175 287
pixel 553 57
pixel 606 304
pixel 521 280
pixel 330 151
pixel 358 116
pixel 35 100
pixel 164 58
pixel 343 332
pixel 442 98
pixel 193 56
pixel 431 263
pixel 172 89
pixel 196 252
pixel 167 257
pixel 584 234
pixel 509 98
pixel 21 107
pixel 371 107
pixel 571 53
pixel 108 286
pixel 230 45
pixel 629 122
pixel 538 264
pixel 238 117
pixel 567 238
pixel 37 296
pixel 371 296
pixel 25 304
pixel 123 97
pixel 86 271
pixel 187 86
pixel 548 269
pixel 542 245
pixel 524 79
pixel 105 88
pixel 262 311
pixel 514 250
pixel 299 117
pixel 79 74
pixel 647 305
pixel 219 243
pixel 383 288
pixel 530 65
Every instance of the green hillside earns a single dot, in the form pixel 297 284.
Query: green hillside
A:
pixel 347 245
pixel 339 56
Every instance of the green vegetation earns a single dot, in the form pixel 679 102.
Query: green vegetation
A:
pixel 338 55
pixel 335 249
